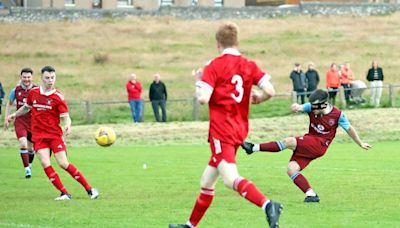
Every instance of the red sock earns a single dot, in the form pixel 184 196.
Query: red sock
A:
pixel 249 191
pixel 55 179
pixel 203 202
pixel 270 147
pixel 74 172
pixel 301 182
pixel 24 157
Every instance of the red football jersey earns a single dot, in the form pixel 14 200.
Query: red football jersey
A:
pixel 21 95
pixel 47 108
pixel 324 125
pixel 230 77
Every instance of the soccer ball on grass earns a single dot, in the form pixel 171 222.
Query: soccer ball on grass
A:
pixel 105 136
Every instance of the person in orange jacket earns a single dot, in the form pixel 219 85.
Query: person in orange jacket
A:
pixel 332 82
pixel 346 79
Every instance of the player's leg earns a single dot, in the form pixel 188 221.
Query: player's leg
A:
pixel 249 191
pixel 23 142
pixel 204 200
pixel 273 146
pixel 293 171
pixel 61 158
pixel 31 150
pixel 43 155
pixel 378 93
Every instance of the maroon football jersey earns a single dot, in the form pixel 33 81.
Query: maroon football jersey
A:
pixel 21 95
pixel 324 125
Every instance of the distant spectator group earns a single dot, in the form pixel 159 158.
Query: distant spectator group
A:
pixel 337 76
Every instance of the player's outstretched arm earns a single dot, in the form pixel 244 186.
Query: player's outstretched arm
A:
pixel 297 107
pixel 353 134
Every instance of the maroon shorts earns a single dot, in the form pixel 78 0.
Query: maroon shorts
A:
pixel 309 148
pixel 55 144
pixel 22 130
pixel 222 151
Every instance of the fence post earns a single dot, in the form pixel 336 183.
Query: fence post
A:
pixel 342 96
pixel 196 109
pixel 88 110
pixel 294 97
pixel 392 95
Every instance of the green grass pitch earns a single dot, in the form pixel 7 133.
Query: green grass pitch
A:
pixel 357 189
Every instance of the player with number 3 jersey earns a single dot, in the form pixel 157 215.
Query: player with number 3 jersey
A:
pixel 226 86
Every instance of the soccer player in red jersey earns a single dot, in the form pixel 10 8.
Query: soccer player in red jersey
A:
pixel 226 86
pixel 48 106
pixel 22 124
pixel 324 120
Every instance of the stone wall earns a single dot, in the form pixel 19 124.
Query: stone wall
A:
pixel 207 13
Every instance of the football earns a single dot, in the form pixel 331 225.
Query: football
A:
pixel 105 136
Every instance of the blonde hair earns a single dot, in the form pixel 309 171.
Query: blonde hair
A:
pixel 227 35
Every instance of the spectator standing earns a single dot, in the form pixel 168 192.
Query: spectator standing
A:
pixel 134 90
pixel 1 96
pixel 346 78
pixel 158 98
pixel 312 78
pixel 375 78
pixel 332 82
pixel 299 82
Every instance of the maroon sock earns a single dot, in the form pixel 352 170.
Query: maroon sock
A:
pixel 203 202
pixel 24 157
pixel 74 172
pixel 249 191
pixel 301 182
pixel 55 179
pixel 270 147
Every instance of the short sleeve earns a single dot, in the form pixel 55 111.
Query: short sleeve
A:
pixel 344 122
pixel 307 107
pixel 11 96
pixel 257 74
pixel 62 106
pixel 209 78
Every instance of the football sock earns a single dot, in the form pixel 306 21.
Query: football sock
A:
pixel 249 191
pixel 31 156
pixel 24 157
pixel 55 179
pixel 275 146
pixel 203 202
pixel 301 182
pixel 265 204
pixel 311 192
pixel 74 172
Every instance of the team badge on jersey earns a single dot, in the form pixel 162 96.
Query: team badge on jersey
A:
pixel 331 122
pixel 49 101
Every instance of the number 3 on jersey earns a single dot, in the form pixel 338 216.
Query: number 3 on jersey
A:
pixel 238 82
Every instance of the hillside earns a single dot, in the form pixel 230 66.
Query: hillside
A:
pixel 94 57
pixel 370 128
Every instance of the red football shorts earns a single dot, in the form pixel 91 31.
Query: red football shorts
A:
pixel 222 151
pixel 55 144
pixel 22 130
pixel 309 148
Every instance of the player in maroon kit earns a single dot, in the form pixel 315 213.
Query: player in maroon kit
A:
pixel 225 85
pixel 48 106
pixel 324 120
pixel 22 124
